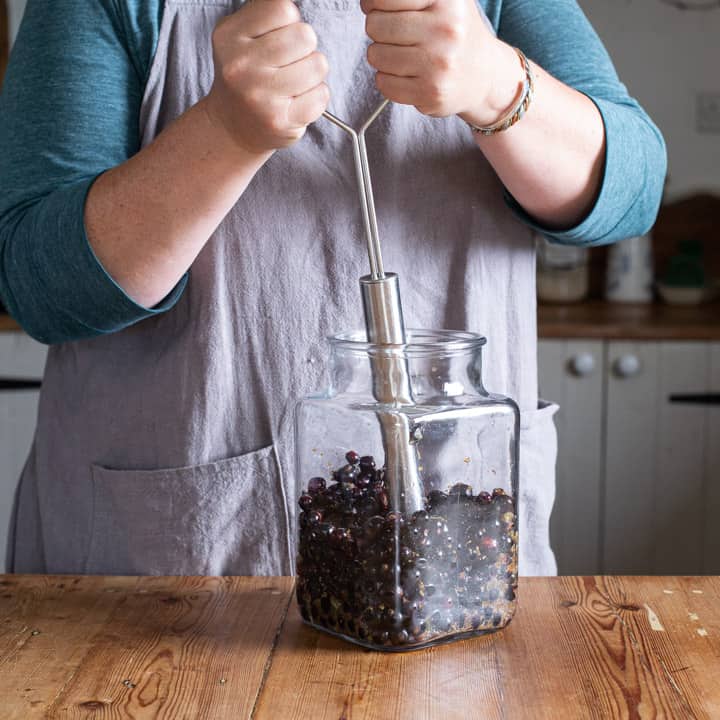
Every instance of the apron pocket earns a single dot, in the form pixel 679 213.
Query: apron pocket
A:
pixel 224 518
pixel 538 453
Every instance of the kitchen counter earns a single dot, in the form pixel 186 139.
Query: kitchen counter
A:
pixel 7 324
pixel 597 319
pixel 214 648
pixel 600 320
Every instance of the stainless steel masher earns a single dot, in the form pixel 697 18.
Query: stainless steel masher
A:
pixel 385 330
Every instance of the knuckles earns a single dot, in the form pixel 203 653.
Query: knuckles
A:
pixel 324 97
pixel 276 122
pixel 372 24
pixel 371 55
pixel 382 84
pixel 232 71
pixel 306 37
pixel 451 29
pixel 441 64
pixel 320 64
pixel 284 12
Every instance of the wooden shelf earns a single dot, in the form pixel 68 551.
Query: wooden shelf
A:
pixel 597 319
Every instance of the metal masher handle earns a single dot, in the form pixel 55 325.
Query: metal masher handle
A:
pixel 385 327
pixel 367 201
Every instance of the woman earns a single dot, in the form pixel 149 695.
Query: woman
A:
pixel 177 225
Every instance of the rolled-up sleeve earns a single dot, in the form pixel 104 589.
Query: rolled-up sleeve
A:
pixel 558 36
pixel 68 112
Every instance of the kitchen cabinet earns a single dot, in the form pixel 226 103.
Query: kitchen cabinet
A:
pixel 22 361
pixel 638 480
pixel 571 374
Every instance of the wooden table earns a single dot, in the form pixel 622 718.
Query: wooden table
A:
pixel 205 648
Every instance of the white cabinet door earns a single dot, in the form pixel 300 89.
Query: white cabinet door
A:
pixel 571 373
pixel 21 358
pixel 661 495
pixel 711 549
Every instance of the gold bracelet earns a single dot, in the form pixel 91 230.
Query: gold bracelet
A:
pixel 519 109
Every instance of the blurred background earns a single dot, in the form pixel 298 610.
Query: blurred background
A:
pixel 629 336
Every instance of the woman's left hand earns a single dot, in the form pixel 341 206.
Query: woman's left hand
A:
pixel 439 56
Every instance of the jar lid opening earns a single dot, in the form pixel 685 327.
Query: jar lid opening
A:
pixel 420 342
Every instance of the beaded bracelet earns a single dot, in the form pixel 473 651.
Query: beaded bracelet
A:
pixel 518 110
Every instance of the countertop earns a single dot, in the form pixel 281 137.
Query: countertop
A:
pixel 597 319
pixel 7 324
pixel 200 648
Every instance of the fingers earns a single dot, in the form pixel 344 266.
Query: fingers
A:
pixel 368 6
pixel 258 17
pixel 287 45
pixel 398 89
pixel 302 76
pixel 309 106
pixel 396 60
pixel 398 28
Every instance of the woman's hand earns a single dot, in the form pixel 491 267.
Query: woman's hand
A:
pixel 269 78
pixel 441 57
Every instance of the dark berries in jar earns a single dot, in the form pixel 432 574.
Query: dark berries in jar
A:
pixel 315 485
pixel 374 575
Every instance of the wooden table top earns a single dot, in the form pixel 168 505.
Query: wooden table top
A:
pixel 597 319
pixel 214 648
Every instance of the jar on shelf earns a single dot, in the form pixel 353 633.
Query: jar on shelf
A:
pixel 563 274
pixel 373 568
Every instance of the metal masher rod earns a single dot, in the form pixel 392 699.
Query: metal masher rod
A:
pixel 385 327
pixel 362 172
pixel 365 164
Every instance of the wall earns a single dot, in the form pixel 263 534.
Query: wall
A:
pixel 666 57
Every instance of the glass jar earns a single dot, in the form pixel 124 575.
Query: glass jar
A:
pixel 563 272
pixel 370 570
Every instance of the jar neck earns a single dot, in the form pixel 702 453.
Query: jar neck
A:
pixel 440 364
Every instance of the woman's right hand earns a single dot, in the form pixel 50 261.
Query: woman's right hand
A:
pixel 269 77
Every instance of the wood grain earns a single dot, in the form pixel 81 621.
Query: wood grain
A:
pixel 578 648
pixel 596 319
pixel 136 648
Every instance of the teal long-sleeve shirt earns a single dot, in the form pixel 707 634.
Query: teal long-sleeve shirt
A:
pixel 69 111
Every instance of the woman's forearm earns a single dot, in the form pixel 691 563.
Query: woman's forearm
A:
pixel 442 57
pixel 148 218
pixel 552 160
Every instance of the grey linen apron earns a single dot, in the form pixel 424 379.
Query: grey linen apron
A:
pixel 167 448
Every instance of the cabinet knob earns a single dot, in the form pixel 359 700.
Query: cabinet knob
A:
pixel 582 364
pixel 626 366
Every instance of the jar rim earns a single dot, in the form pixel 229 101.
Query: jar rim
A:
pixel 420 342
